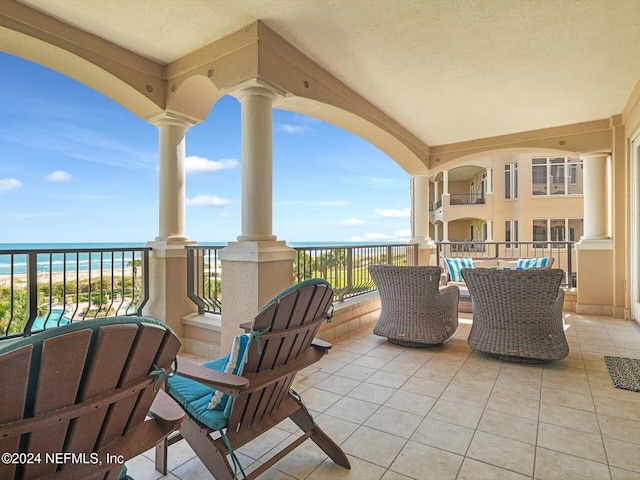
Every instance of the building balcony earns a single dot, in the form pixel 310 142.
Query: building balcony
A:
pixel 451 413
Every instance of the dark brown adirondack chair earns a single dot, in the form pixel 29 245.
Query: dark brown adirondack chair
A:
pixel 73 399
pixel 280 344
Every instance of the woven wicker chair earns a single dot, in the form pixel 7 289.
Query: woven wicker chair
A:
pixel 517 314
pixel 413 311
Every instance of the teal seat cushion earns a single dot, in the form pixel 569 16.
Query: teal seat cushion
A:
pixel 195 396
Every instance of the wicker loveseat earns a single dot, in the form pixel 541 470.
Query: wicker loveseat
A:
pixel 517 314
pixel 413 311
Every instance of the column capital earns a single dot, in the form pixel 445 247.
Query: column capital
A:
pixel 255 87
pixel 168 118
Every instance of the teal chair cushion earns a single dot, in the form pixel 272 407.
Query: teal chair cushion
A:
pixel 195 397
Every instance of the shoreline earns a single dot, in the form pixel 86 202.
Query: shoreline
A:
pixel 59 277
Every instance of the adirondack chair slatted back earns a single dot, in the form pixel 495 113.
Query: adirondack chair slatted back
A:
pixel 288 325
pixel 70 371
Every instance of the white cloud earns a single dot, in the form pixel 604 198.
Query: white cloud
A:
pixel 352 221
pixel 403 233
pixel 393 213
pixel 7 184
pixel 59 176
pixel 377 236
pixel 207 201
pixel 203 165
pixel 292 129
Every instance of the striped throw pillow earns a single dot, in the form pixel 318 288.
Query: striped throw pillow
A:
pixel 454 265
pixel 524 263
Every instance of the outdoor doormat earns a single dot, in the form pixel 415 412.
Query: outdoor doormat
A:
pixel 624 372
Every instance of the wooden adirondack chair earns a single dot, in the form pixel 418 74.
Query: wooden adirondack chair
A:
pixel 280 343
pixel 73 399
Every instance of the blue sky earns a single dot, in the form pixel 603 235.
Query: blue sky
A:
pixel 77 167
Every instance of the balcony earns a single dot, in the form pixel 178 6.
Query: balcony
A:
pixel 400 412
pixel 395 410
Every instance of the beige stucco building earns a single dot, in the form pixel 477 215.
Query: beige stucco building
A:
pixel 454 92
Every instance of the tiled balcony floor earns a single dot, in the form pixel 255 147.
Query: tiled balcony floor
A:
pixel 451 413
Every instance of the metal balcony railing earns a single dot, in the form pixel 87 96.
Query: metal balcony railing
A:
pixel 467 199
pixel 204 277
pixel 345 267
pixel 44 288
pixel 563 253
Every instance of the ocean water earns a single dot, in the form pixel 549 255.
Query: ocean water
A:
pixel 83 261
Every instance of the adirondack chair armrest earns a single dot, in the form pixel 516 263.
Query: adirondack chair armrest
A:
pixel 224 382
pixel 166 410
pixel 321 344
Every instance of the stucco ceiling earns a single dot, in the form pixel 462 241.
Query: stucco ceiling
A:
pixel 447 70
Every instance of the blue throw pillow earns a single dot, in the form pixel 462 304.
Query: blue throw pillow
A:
pixel 454 265
pixel 524 263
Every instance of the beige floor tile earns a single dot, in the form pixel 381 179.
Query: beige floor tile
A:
pixel 402 366
pixel 337 384
pixel 352 410
pixel 390 475
pixel 466 395
pixel 424 387
pixel 374 446
pixel 396 422
pixel 616 407
pixel 453 412
pixel 371 393
pixel 445 436
pixel 474 470
pixel 319 400
pixel 299 464
pixel 513 403
pixel 388 379
pixel 509 426
pixel 620 429
pixel 371 362
pixel 411 402
pixel 356 372
pixel 579 401
pixel 359 470
pixel 571 441
pixel 338 429
pixel 502 452
pixel 386 350
pixel 623 454
pixel 622 474
pixel 342 356
pixel 570 418
pixel 192 470
pixel 552 465
pixel 416 459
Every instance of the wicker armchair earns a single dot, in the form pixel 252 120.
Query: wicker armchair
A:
pixel 517 314
pixel 413 311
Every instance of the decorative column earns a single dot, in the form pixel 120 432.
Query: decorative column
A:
pixel 171 133
pixel 595 195
pixel 168 300
pixel 595 248
pixel 489 181
pixel 445 231
pixel 420 219
pixel 257 163
pixel 436 192
pixel 445 182
pixel 256 267
pixel 489 231
pixel 420 208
